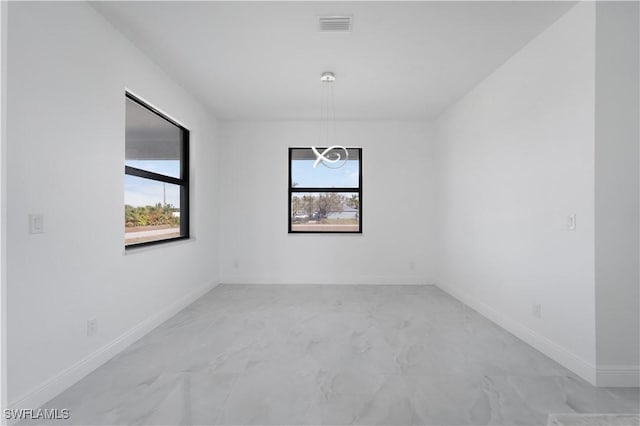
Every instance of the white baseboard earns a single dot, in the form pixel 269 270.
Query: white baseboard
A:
pixel 618 376
pixel 60 382
pixel 356 280
pixel 558 353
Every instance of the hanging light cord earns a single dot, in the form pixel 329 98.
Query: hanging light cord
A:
pixel 334 156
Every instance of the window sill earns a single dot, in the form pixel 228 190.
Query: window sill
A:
pixel 140 248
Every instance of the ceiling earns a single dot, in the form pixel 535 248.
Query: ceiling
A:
pixel 263 60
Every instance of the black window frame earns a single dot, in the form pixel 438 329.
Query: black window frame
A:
pixel 298 189
pixel 182 182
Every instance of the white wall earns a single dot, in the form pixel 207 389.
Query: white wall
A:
pixel 67 74
pixel 396 207
pixel 617 193
pixel 514 158
pixel 3 205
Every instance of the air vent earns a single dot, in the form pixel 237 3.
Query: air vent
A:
pixel 335 24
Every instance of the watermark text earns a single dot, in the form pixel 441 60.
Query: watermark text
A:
pixel 36 414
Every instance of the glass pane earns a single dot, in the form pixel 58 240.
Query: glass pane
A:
pixel 151 210
pixel 152 143
pixel 335 172
pixel 325 212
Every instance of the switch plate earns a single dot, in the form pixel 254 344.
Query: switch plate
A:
pixel 36 223
pixel 571 222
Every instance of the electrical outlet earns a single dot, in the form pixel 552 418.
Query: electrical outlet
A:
pixel 236 264
pixel 412 265
pixel 92 326
pixel 536 310
pixel 571 222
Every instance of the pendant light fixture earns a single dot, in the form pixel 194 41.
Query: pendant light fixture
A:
pixel 333 155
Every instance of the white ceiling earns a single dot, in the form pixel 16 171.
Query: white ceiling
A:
pixel 403 60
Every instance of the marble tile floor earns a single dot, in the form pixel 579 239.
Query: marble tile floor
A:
pixel 331 355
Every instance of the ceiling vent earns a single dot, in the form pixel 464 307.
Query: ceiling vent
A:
pixel 335 24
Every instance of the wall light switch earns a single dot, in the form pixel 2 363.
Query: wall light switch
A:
pixel 571 222
pixel 36 223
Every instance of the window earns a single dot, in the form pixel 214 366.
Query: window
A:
pixel 156 176
pixel 327 198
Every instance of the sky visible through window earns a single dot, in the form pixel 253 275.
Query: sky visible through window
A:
pixel 139 192
pixel 304 175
